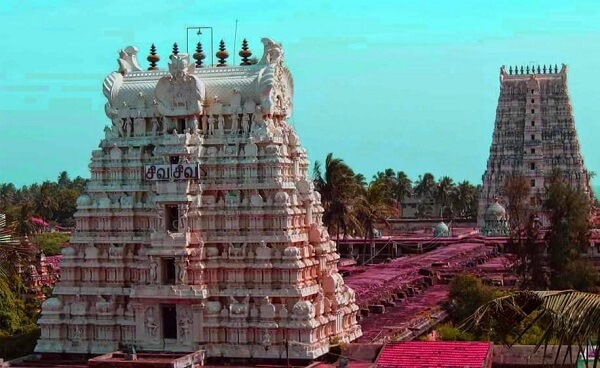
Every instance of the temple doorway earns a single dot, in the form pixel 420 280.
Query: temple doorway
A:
pixel 169 321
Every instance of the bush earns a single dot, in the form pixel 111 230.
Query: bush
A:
pixel 16 346
pixel 467 293
pixel 447 332
pixel 51 243
pixel 581 275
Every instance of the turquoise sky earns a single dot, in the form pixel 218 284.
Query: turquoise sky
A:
pixel 410 85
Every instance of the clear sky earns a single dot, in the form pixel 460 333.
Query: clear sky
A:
pixel 411 85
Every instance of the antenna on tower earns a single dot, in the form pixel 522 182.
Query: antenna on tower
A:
pixel 235 40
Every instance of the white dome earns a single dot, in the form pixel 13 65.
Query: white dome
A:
pixel 441 229
pixel 52 304
pixel 495 212
pixel 84 200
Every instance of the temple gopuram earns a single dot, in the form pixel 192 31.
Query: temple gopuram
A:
pixel 534 136
pixel 200 228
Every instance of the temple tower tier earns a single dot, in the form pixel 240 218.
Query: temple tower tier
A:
pixel 534 136
pixel 200 227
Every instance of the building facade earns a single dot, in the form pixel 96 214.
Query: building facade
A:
pixel 200 228
pixel 534 135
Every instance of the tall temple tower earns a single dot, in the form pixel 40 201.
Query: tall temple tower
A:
pixel 200 228
pixel 534 134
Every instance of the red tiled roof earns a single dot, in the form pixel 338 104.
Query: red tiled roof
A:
pixel 439 354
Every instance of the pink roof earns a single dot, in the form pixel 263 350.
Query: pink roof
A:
pixel 439 354
pixel 39 221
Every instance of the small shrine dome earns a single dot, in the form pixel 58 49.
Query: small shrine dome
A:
pixel 441 229
pixel 52 304
pixel 84 200
pixel 495 211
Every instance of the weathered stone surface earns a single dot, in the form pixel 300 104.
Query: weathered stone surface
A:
pixel 534 134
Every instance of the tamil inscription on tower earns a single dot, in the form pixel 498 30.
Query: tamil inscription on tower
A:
pixel 534 135
pixel 200 228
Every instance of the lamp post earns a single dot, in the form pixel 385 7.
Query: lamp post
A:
pixel 199 32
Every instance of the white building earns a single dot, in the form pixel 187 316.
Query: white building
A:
pixel 200 228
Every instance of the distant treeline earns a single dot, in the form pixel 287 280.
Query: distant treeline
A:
pixel 28 208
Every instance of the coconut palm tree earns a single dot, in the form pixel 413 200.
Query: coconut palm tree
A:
pixel 46 203
pixel 63 180
pixel 568 318
pixel 338 186
pixel 372 207
pixel 425 185
pixel 443 191
pixel 464 199
pixel 402 189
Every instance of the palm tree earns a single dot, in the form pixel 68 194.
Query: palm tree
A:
pixel 402 189
pixel 464 199
pixel 337 184
pixel 372 207
pixel 63 180
pixel 46 204
pixel 424 189
pixel 425 186
pixel 442 194
pixel 386 181
pixel 569 318
pixel 22 225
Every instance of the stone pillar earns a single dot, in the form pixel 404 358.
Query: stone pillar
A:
pixel 198 323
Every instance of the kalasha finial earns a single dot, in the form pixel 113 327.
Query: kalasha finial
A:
pixel 539 70
pixel 175 49
pixel 153 58
pixel 222 54
pixel 544 69
pixel 199 55
pixel 245 53
pixel 510 69
pixel 527 70
pixel 555 68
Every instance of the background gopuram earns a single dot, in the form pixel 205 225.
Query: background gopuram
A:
pixel 534 135
pixel 200 228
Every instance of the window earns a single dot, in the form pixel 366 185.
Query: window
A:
pixel 532 91
pixel 172 218
pixel 533 137
pixel 532 111
pixel 174 160
pixel 533 183
pixel 168 271
pixel 533 151
pixel 180 125
pixel 532 123
pixel 532 166
pixel 532 101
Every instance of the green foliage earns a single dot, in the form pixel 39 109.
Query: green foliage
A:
pixel 13 316
pixel 55 202
pixel 568 318
pixel 569 210
pixel 467 293
pixel 51 243
pixel 19 345
pixel 448 332
pixel 581 275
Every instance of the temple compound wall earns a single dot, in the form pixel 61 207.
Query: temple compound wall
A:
pixel 534 135
pixel 200 228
